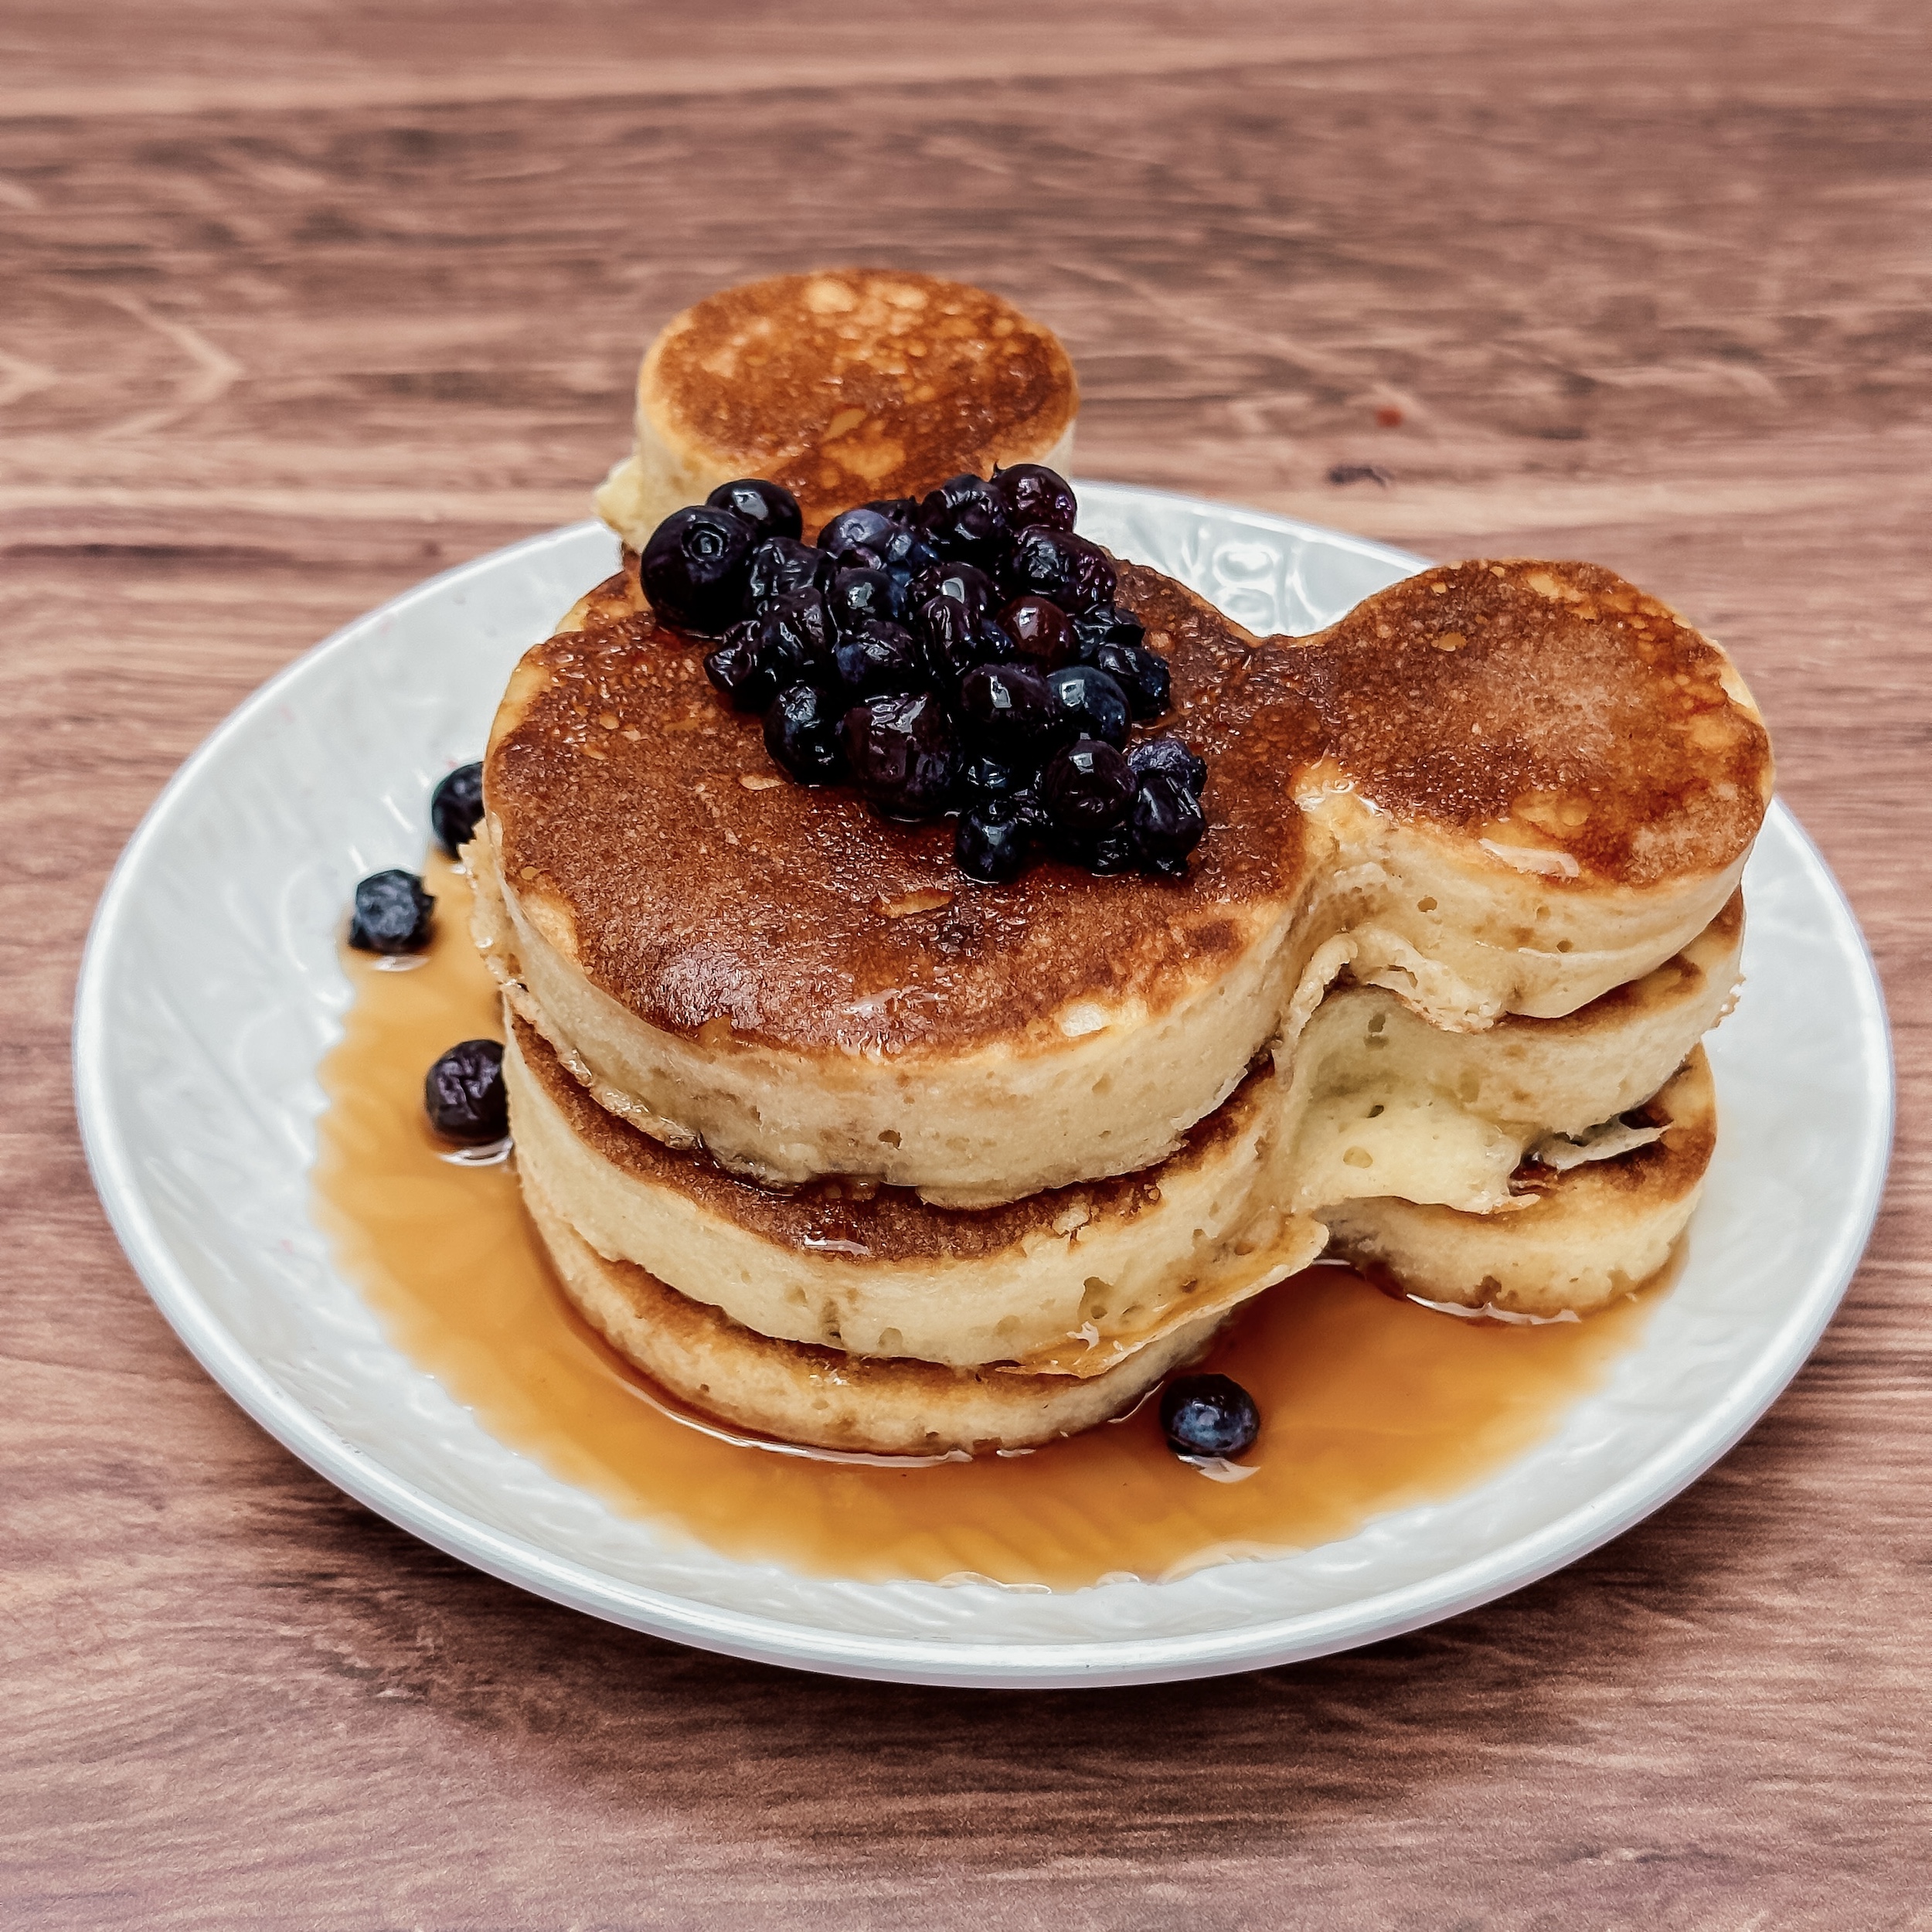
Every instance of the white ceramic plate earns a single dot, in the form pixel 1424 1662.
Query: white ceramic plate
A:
pixel 211 990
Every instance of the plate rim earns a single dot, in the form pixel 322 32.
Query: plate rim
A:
pixel 952 1661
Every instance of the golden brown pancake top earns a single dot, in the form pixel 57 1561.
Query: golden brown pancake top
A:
pixel 1548 706
pixel 857 383
pixel 705 889
pixel 853 1220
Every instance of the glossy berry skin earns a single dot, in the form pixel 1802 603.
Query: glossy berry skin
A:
pixel 1041 635
pixel 902 510
pixel 1096 703
pixel 981 778
pixel 1167 754
pixel 966 518
pixel 1035 493
pixel 965 583
pixel 697 569
pixel 1141 674
pixel 1113 852
pixel 875 656
pixel 856 530
pixel 802 734
pixel 392 914
pixel 464 1094
pixel 795 639
pixel 993 840
pixel 734 668
pixel 780 566
pixel 769 508
pixel 906 553
pixel 902 753
pixel 1107 624
pixel 1209 1416
pixel 1087 788
pixel 455 807
pixel 1008 712
pixel 858 594
pixel 1166 819
pixel 950 638
pixel 1075 574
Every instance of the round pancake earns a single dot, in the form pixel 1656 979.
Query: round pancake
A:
pixel 1592 1233
pixel 1072 1281
pixel 824 1396
pixel 846 386
pixel 772 971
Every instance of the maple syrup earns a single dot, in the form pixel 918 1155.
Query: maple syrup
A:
pixel 1370 1404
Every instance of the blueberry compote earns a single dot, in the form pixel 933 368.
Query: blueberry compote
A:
pixel 962 656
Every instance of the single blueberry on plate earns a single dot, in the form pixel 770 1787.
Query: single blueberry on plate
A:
pixel 769 508
pixel 1096 703
pixel 876 656
pixel 1209 1416
pixel 992 841
pixel 966 518
pixel 455 807
pixel 734 668
pixel 392 914
pixel 697 569
pixel 802 734
pixel 1169 755
pixel 1087 788
pixel 779 567
pixel 464 1094
pixel 902 753
pixel 1035 493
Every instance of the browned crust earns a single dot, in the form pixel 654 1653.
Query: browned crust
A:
pixel 891 1224
pixel 618 780
pixel 1544 705
pixel 853 383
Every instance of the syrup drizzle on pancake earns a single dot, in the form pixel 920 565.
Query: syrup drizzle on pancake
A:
pixel 1369 1403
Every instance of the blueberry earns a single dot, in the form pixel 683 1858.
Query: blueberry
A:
pixel 1112 853
pixel 856 595
pixel 1075 574
pixel 455 807
pixel 906 552
pixel 856 529
pixel 392 914
pixel 734 668
pixel 1039 630
pixel 1035 493
pixel 902 510
pixel 802 734
pixel 1087 788
pixel 983 778
pixel 769 508
pixel 697 569
pixel 966 518
pixel 1142 673
pixel 1008 712
pixel 949 638
pixel 902 753
pixel 965 583
pixel 1096 703
pixel 1169 755
pixel 1209 1416
pixel 780 567
pixel 875 656
pixel 795 639
pixel 1107 624
pixel 464 1097
pixel 992 841
pixel 1166 818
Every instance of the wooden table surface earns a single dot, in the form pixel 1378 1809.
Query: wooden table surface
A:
pixel 299 303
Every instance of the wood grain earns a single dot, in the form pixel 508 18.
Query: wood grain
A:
pixel 302 302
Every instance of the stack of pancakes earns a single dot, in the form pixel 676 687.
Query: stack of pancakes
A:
pixel 840 1146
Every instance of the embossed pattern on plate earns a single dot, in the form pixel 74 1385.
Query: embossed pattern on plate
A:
pixel 211 990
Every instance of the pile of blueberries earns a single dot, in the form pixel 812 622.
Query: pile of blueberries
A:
pixel 960 654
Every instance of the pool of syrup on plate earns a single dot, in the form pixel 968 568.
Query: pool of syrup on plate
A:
pixel 1370 1404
